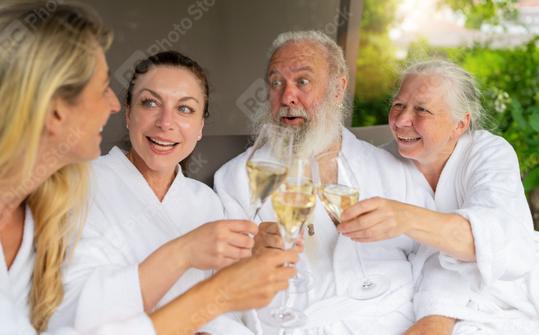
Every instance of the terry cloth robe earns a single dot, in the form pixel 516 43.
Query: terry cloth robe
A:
pixel 481 182
pixel 126 223
pixel 15 285
pixel 331 257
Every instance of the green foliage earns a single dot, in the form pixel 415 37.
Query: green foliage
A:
pixel 509 78
pixel 477 13
pixel 510 83
pixel 378 15
pixel 376 60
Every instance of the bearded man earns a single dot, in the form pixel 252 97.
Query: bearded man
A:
pixel 307 80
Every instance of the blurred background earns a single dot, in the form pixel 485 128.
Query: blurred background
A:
pixel 496 40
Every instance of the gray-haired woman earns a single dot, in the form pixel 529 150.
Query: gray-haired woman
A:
pixel 481 226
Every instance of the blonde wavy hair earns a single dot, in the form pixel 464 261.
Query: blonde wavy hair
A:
pixel 47 50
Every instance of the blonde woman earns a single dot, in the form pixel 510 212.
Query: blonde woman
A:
pixel 56 98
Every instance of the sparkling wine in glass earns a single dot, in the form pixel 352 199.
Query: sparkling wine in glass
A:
pixel 293 203
pixel 338 189
pixel 267 164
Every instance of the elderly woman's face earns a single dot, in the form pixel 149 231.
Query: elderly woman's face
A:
pixel 421 120
pixel 165 119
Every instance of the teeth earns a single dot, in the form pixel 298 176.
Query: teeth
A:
pixel 156 141
pixel 409 138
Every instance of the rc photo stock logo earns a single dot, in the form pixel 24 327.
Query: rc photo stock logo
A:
pixel 10 38
pixel 252 100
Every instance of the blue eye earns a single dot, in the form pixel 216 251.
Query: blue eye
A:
pixel 149 103
pixel 185 109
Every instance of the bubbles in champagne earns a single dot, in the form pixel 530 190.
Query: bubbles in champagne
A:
pixel 293 210
pixel 336 198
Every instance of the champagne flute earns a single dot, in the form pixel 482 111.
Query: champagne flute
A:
pixel 293 203
pixel 267 164
pixel 338 189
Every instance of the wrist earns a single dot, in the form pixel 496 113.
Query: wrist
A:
pixel 218 302
pixel 181 260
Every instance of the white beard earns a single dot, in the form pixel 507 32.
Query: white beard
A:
pixel 315 135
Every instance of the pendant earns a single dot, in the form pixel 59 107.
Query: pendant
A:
pixel 310 229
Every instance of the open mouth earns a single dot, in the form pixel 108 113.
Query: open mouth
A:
pixel 292 120
pixel 161 143
pixel 408 140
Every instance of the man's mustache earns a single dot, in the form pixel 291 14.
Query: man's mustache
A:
pixel 293 112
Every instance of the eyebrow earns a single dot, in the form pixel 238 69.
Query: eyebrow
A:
pixel 298 69
pixel 152 92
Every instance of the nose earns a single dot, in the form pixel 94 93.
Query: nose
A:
pixel 289 96
pixel 164 119
pixel 114 103
pixel 403 117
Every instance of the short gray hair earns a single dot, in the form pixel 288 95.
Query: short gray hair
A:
pixel 463 94
pixel 334 53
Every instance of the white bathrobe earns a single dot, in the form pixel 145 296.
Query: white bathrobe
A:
pixel 126 223
pixel 15 286
pixel 331 257
pixel 481 182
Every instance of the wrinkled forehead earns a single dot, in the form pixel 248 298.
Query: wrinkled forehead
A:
pixel 298 56
pixel 424 87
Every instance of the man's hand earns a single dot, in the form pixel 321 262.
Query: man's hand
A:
pixel 432 325
pixel 268 236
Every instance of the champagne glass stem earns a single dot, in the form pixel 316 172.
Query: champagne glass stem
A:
pixel 254 209
pixel 256 213
pixel 366 281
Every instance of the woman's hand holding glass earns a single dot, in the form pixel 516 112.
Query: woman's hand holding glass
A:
pixel 217 244
pixel 338 190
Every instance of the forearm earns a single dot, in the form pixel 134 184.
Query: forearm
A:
pixel 190 311
pixel 447 232
pixel 170 263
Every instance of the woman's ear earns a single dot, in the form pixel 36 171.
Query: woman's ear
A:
pixel 201 128
pixel 462 126
pixel 56 116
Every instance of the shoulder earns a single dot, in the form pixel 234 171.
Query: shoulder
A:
pixel 232 169
pixel 375 157
pixel 198 188
pixel 106 166
pixel 484 147
pixel 204 198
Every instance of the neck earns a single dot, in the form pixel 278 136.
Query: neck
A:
pixel 335 146
pixel 15 192
pixel 159 181
pixel 432 169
